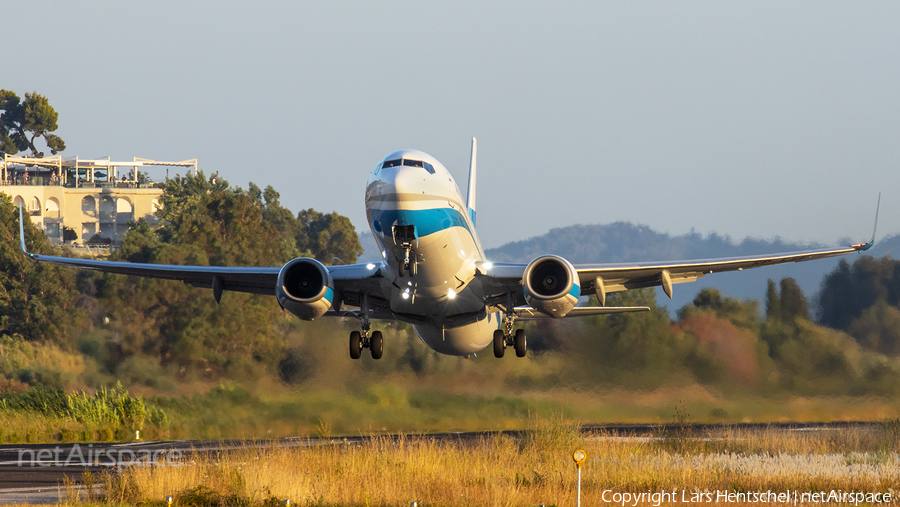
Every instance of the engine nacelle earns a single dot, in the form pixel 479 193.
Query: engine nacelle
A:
pixel 551 285
pixel 305 288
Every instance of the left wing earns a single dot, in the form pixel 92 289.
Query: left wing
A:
pixel 618 277
pixel 605 278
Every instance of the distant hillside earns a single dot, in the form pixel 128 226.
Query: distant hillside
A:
pixel 624 242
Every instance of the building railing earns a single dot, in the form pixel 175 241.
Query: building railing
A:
pixel 44 182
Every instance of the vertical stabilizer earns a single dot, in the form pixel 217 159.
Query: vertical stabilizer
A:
pixel 470 192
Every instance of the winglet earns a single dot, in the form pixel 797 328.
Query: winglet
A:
pixel 470 191
pixel 865 246
pixel 22 232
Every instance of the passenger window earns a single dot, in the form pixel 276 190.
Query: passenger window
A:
pixel 429 167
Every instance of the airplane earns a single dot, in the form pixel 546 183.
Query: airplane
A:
pixel 434 274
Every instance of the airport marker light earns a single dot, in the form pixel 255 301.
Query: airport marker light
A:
pixel 578 457
pixel 579 460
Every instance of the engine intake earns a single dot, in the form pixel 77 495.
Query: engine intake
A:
pixel 305 288
pixel 551 285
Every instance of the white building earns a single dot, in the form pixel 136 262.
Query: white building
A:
pixel 87 196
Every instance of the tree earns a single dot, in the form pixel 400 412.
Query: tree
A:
pixel 69 234
pixel 773 302
pixel 37 301
pixel 793 302
pixel 849 290
pixel 743 314
pixel 207 222
pixel 328 236
pixel 23 122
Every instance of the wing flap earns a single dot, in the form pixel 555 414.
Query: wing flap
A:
pixel 529 313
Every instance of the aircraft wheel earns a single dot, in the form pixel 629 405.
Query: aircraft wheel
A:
pixel 413 268
pixel 355 345
pixel 520 343
pixel 377 345
pixel 499 343
pixel 401 269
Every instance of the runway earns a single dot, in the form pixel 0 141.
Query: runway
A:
pixel 36 473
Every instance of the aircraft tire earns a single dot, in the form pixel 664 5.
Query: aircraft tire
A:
pixel 499 343
pixel 355 345
pixel 520 343
pixel 377 345
pixel 401 269
pixel 413 268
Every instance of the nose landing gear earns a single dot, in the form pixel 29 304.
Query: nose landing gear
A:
pixel 405 238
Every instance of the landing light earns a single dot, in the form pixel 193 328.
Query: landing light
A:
pixel 370 266
pixel 451 294
pixel 487 265
pixel 405 294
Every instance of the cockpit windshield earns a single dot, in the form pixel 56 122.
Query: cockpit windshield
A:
pixel 408 163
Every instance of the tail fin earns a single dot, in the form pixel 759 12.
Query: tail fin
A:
pixel 470 192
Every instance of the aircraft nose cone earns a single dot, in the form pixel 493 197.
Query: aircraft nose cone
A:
pixel 408 180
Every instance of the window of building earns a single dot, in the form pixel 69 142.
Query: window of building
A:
pixel 88 230
pixel 51 230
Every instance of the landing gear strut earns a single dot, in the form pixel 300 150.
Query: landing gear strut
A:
pixel 405 238
pixel 409 261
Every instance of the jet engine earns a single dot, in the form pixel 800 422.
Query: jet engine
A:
pixel 551 285
pixel 305 288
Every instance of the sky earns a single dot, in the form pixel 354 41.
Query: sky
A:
pixel 763 119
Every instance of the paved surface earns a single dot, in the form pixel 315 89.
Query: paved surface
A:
pixel 36 473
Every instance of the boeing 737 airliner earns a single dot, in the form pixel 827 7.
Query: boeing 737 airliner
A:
pixel 433 272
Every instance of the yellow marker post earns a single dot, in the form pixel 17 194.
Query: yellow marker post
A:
pixel 579 460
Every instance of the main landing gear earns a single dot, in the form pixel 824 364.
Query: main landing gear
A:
pixel 359 341
pixel 362 340
pixel 507 338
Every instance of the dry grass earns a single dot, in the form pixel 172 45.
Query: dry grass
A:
pixel 536 469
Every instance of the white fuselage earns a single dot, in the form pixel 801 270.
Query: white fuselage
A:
pixel 417 202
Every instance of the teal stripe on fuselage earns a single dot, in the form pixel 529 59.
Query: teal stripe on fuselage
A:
pixel 427 221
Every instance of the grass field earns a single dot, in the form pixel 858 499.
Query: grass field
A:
pixel 532 470
pixel 271 411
